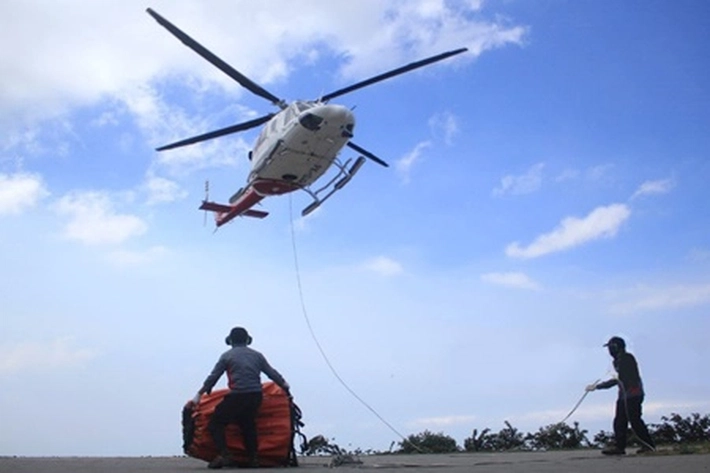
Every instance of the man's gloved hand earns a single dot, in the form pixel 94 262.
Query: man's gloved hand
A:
pixel 204 390
pixel 591 387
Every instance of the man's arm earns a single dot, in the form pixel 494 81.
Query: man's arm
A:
pixel 274 375
pixel 214 376
pixel 607 384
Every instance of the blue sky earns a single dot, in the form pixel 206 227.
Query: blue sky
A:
pixel 547 190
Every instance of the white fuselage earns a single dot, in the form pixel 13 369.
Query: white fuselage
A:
pixel 300 143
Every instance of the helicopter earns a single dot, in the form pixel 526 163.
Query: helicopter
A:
pixel 296 145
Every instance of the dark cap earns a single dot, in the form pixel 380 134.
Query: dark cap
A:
pixel 618 341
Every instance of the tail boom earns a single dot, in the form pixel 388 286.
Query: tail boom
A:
pixel 242 207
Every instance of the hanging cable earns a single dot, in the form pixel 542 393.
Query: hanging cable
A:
pixel 320 348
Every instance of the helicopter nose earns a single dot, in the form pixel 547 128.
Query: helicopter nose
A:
pixel 340 119
pixel 336 114
pixel 331 116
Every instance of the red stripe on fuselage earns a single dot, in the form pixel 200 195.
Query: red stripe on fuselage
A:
pixel 265 187
pixel 256 191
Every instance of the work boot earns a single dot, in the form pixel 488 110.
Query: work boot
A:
pixel 221 461
pixel 613 450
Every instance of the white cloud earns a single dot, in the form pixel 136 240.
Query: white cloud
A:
pixel 37 356
pixel 106 48
pixel 405 164
pixel 384 266
pixel 594 174
pixel 665 407
pixel 661 186
pixel 90 54
pixel 598 173
pixel 300 223
pixel 161 190
pixel 19 192
pixel 115 53
pixel 514 279
pixel 446 124
pixel 602 222
pixel 644 299
pixel 567 175
pixel 163 122
pixel 92 219
pixel 402 31
pixel 523 184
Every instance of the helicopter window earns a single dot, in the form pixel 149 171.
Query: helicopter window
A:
pixel 310 121
pixel 301 106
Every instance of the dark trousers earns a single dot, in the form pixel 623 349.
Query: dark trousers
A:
pixel 240 409
pixel 629 412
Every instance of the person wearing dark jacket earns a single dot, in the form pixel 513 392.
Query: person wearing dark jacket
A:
pixel 243 366
pixel 629 401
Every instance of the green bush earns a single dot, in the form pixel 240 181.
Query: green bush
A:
pixel 428 442
pixel 478 443
pixel 676 429
pixel 557 437
pixel 508 438
pixel 602 439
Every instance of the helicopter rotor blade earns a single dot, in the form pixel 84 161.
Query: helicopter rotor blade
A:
pixel 217 133
pixel 243 80
pixel 392 73
pixel 367 154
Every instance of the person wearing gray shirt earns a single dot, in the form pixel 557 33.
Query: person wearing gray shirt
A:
pixel 243 366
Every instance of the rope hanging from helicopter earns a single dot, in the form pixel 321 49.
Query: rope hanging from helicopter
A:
pixel 304 311
pixel 310 116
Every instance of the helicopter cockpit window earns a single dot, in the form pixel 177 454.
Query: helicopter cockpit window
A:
pixel 310 121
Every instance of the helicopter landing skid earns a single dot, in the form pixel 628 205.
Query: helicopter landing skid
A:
pixel 338 182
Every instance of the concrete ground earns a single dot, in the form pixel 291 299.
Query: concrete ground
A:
pixel 582 461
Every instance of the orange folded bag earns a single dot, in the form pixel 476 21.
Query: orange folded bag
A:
pixel 277 423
